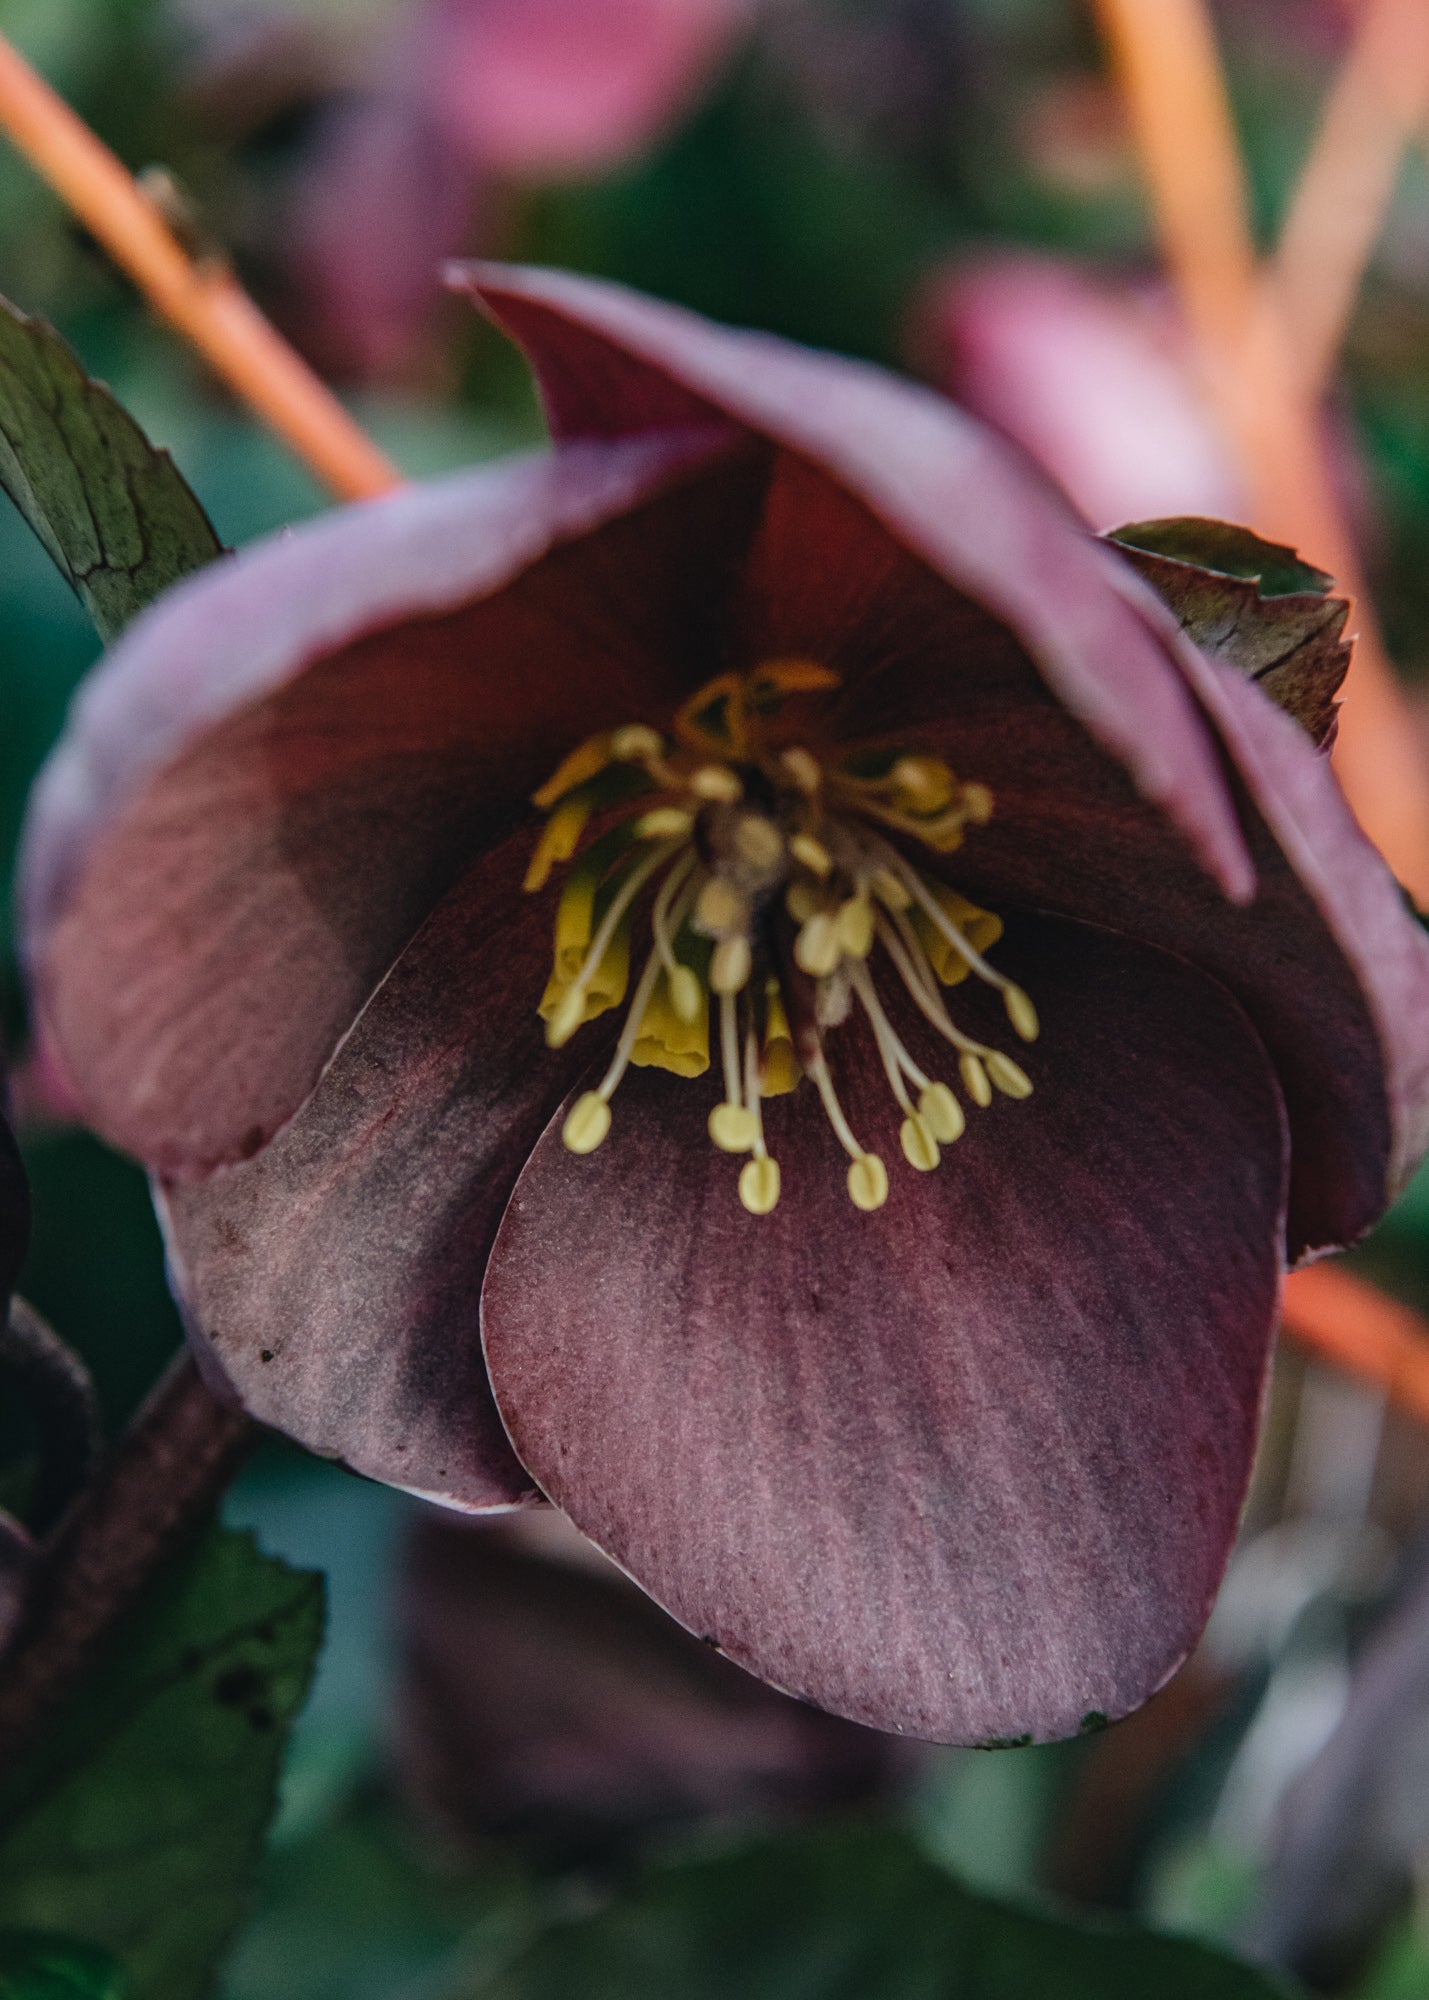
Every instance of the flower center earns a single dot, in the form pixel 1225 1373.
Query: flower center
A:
pixel 774 878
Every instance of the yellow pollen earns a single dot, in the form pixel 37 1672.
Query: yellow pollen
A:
pixel 854 927
pixel 731 965
pixel 720 908
pixel 804 769
pixel 812 854
pixel 727 850
pixel 920 1147
pixel 686 994
pixel 732 1128
pixel 759 1185
pixel 587 1123
pixel 816 948
pixel 717 783
pixel 635 743
pixel 1006 1074
pixel 941 1112
pixel 975 1081
pixel 868 1182
pixel 759 842
pixel 665 823
pixel 1021 1012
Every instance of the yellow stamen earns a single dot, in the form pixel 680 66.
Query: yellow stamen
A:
pixel 717 783
pixel 720 908
pixel 759 842
pixel 665 823
pixel 732 1128
pixel 587 1123
pixel 586 761
pixel 759 1185
pixel 559 840
pixel 635 744
pixel 816 948
pixel 1010 1079
pixel 942 1113
pixel 804 769
pixel 868 1182
pixel 920 1147
pixel 792 677
pixel 1021 1012
pixel 922 784
pixel 812 854
pixel 975 1081
pixel 854 927
pixel 731 965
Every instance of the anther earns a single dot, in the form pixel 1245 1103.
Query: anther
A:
pixel 803 768
pixel 634 743
pixel 920 1147
pixel 720 907
pixel 800 901
pixel 975 1081
pixel 730 965
pixel 977 804
pixel 926 783
pixel 868 1182
pixel 717 783
pixel 889 890
pixel 759 1185
pixel 1021 1012
pixel 759 843
pixel 854 927
pixel 816 948
pixel 1009 1078
pixel 665 823
pixel 812 854
pixel 733 1128
pixel 587 1123
pixel 686 996
pixel 941 1112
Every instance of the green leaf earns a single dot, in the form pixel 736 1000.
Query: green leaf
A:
pixel 1252 604
pixel 138 1821
pixel 115 516
pixel 35 1965
pixel 843 1912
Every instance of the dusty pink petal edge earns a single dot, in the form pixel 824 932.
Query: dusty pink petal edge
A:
pixel 1297 794
pixel 956 494
pixel 246 626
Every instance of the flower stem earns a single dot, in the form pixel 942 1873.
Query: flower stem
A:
pixel 164 1475
pixel 1165 54
pixel 1350 1323
pixel 1375 107
pixel 199 296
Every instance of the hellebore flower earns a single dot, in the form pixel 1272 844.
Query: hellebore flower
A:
pixel 818 687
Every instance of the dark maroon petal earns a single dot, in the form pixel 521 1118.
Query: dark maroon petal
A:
pixel 950 491
pixel 544 1695
pixel 275 777
pixel 14 1213
pixel 968 1467
pixel 335 1278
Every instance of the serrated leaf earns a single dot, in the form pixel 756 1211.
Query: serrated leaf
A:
pixel 852 1910
pixel 115 515
pixel 1253 604
pixel 35 1965
pixel 137 1822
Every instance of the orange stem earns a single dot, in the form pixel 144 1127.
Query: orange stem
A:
pixel 1166 57
pixel 1348 1322
pixel 200 298
pixel 1378 103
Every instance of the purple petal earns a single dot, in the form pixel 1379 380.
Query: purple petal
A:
pixel 278 773
pixel 613 364
pixel 968 1467
pixel 14 1212
pixel 335 1278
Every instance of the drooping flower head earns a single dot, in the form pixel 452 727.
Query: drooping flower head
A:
pixel 514 918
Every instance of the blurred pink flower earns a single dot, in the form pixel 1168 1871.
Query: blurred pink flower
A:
pixel 1091 377
pixel 539 88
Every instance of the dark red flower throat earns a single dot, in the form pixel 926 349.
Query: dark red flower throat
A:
pixel 772 869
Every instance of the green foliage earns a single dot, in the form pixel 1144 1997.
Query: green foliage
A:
pixel 35 1965
pixel 115 516
pixel 845 1912
pixel 137 1822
